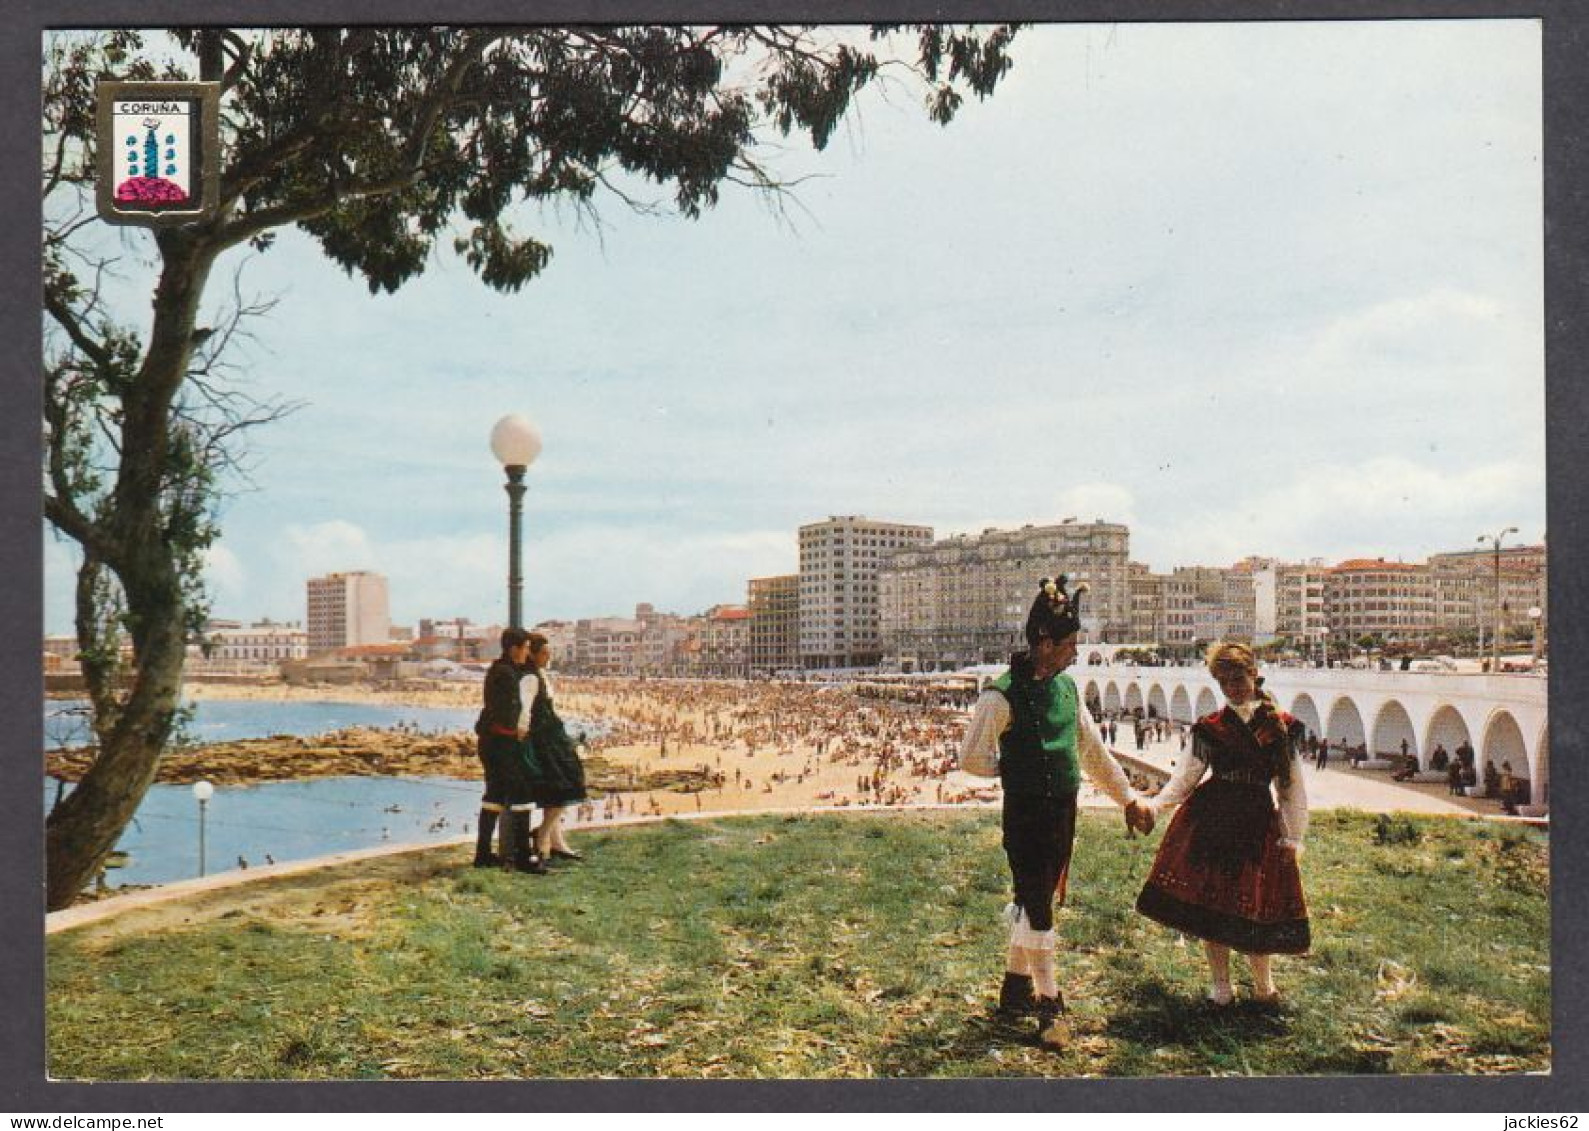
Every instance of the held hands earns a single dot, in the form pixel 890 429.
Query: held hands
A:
pixel 1139 818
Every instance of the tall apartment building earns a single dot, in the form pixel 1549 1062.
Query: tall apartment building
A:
pixel 606 645
pixel 1265 576
pixel 1190 605
pixel 963 600
pixel 774 604
pixel 663 642
pixel 1299 601
pixel 839 559
pixel 1371 596
pixel 1465 588
pixel 346 610
pixel 1238 600
pixel 725 643
pixel 1147 613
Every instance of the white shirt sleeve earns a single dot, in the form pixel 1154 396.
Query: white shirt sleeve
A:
pixel 1097 763
pixel 528 686
pixel 1293 798
pixel 1188 772
pixel 979 749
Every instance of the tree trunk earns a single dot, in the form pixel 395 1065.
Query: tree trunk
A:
pixel 83 829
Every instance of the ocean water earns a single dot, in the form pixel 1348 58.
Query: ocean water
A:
pixel 226 720
pixel 282 820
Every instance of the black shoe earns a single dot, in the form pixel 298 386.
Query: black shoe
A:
pixel 1052 1029
pixel 483 856
pixel 524 857
pixel 564 854
pixel 1016 999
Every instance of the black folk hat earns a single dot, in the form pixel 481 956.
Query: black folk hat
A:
pixel 1055 614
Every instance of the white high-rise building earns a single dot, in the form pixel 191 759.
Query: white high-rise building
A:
pixel 348 609
pixel 839 625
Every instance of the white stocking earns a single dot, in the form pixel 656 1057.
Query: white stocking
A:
pixel 1263 983
pixel 1219 970
pixel 1043 982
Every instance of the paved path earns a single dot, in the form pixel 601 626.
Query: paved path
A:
pixel 1339 787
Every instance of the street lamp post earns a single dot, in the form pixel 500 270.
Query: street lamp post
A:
pixel 202 791
pixel 1495 635
pixel 515 441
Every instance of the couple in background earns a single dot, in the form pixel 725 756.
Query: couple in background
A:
pixel 528 757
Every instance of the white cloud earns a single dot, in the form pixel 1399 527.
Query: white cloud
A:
pixel 325 547
pixel 605 571
pixel 1390 506
pixel 224 575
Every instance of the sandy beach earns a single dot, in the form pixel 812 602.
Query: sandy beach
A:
pixel 682 746
pixel 724 745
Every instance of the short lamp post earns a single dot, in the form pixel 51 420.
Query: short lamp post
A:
pixel 1537 615
pixel 515 441
pixel 202 792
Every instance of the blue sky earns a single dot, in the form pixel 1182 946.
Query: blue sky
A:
pixel 1250 288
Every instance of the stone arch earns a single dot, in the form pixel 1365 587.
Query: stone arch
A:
pixel 1090 692
pixel 1446 728
pixel 1392 725
pixel 1134 697
pixel 1158 702
pixel 1111 697
pixel 1345 723
pixel 1540 777
pixel 1307 713
pixel 1181 706
pixel 1207 704
pixel 1094 659
pixel 1503 742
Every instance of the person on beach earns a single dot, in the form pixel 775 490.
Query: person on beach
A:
pixel 1031 729
pixel 560 780
pixel 500 733
pixel 1226 871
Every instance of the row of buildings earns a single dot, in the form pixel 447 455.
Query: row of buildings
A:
pixel 870 593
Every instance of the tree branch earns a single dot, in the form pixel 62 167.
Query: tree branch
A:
pixel 67 319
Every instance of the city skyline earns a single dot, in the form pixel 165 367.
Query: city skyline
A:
pixel 1306 325
pixel 740 600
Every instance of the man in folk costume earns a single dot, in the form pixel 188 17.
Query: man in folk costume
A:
pixel 500 731
pixel 1031 729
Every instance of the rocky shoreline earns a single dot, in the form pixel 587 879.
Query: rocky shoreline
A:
pixel 353 752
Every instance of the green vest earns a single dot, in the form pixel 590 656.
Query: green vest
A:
pixel 1037 753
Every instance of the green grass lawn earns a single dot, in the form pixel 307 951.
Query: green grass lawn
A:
pixel 862 945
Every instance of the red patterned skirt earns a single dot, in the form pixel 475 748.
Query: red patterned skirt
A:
pixel 1221 875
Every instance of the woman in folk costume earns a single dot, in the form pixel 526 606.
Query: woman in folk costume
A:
pixel 560 775
pixel 1032 730
pixel 1226 871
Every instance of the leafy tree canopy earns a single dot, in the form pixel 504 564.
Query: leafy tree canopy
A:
pixel 382 144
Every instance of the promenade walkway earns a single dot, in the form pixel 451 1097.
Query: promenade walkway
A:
pixel 1339 786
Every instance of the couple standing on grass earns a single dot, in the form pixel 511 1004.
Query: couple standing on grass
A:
pixel 1226 870
pixel 528 757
